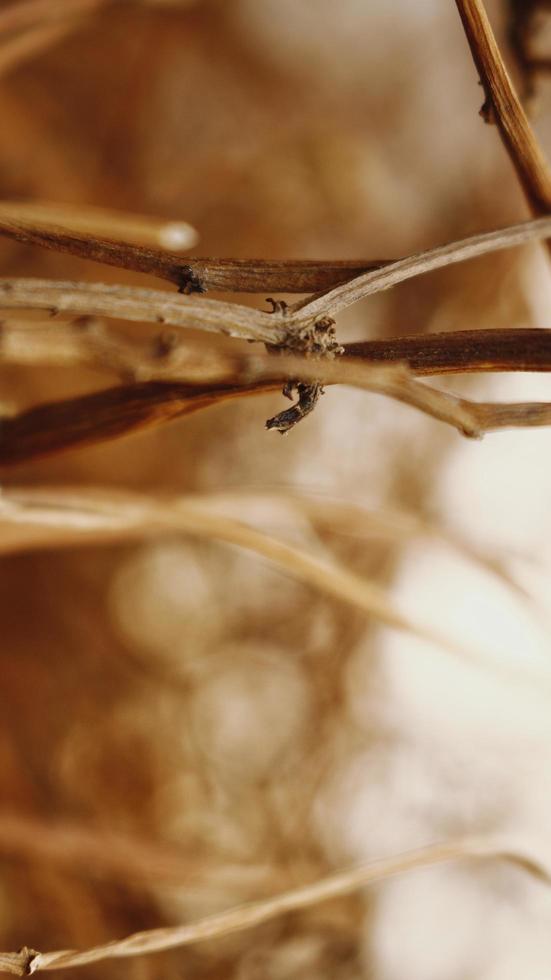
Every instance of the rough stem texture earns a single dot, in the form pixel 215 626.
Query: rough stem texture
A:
pixel 77 422
pixel 503 106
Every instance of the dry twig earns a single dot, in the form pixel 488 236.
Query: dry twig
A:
pixel 260 275
pixel 190 275
pixel 109 414
pixel 88 342
pixel 76 422
pixel 416 265
pixel 503 106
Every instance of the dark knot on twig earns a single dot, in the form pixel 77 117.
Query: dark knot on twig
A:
pixel 189 281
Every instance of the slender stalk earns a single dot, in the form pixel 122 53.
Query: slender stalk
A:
pixel 505 108
pixel 254 913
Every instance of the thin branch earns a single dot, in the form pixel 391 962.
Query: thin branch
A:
pixel 416 265
pixel 349 518
pixel 143 306
pixel 86 420
pixel 505 108
pixel 461 351
pixel 52 428
pixel 52 517
pixel 260 275
pixel 190 275
pixel 87 342
pixel 273 275
pixel 154 306
pixel 253 914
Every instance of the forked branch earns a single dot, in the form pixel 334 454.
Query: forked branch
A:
pixel 354 279
pixel 82 421
pixel 76 422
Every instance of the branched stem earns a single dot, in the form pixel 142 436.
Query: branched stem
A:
pixel 52 428
pixel 353 279
pixel 89 419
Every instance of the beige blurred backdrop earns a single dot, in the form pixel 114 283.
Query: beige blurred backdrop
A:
pixel 187 707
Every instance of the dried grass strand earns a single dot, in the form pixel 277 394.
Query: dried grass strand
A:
pixel 255 913
pixel 348 518
pixel 64 517
pixel 32 518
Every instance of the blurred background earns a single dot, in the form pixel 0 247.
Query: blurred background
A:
pixel 182 727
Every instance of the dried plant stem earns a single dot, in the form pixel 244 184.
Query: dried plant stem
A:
pixel 83 421
pixel 261 276
pixel 91 419
pixel 154 306
pixel 461 351
pixel 52 517
pixel 345 517
pixel 91 344
pixel 142 306
pixel 191 275
pixel 416 265
pixel 253 914
pixel 505 108
pixel 76 422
